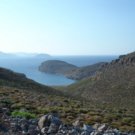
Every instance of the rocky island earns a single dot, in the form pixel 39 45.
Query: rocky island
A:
pixel 69 70
pixel 56 67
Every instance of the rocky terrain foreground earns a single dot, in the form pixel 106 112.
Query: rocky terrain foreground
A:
pixel 50 124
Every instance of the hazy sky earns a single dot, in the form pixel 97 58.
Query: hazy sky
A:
pixel 69 27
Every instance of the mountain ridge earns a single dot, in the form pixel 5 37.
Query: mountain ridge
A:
pixel 113 84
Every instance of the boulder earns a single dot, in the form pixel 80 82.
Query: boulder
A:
pixel 77 123
pixel 102 128
pixel 44 121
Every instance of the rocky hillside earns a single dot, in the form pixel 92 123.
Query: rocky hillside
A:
pixel 69 70
pixel 114 84
pixel 84 72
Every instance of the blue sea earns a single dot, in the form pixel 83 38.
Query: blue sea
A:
pixel 29 66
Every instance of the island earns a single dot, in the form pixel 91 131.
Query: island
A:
pixel 69 70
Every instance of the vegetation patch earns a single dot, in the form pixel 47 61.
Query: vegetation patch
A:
pixel 23 114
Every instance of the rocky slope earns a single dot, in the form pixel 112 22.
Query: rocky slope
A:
pixel 69 70
pixel 114 84
pixel 52 125
pixel 84 72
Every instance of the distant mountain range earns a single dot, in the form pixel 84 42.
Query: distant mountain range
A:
pixel 23 55
pixel 6 55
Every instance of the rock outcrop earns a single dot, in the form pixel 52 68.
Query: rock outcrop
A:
pixel 50 125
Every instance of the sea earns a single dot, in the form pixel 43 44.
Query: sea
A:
pixel 29 67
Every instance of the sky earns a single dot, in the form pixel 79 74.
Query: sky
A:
pixel 68 27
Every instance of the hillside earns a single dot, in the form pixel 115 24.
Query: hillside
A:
pixel 18 93
pixel 18 80
pixel 84 72
pixel 114 84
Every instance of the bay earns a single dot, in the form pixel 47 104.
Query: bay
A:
pixel 29 66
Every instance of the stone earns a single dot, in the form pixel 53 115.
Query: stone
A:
pixel 96 126
pixel 44 121
pixel 87 128
pixel 77 123
pixel 102 128
pixel 56 121
pixel 53 128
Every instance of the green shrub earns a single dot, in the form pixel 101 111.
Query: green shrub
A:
pixel 127 120
pixel 23 114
